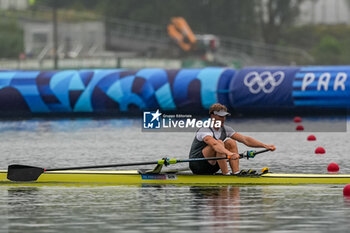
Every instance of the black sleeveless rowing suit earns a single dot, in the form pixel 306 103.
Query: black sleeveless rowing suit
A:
pixel 204 167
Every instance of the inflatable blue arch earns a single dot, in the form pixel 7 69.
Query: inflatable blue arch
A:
pixel 112 90
pixel 117 91
pixel 313 88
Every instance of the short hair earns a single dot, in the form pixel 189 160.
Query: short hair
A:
pixel 217 107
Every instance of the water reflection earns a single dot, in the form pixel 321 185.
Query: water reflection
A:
pixel 23 207
pixel 347 201
pixel 222 205
pixel 173 208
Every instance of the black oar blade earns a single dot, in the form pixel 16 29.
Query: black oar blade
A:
pixel 23 173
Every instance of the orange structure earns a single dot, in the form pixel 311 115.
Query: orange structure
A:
pixel 179 30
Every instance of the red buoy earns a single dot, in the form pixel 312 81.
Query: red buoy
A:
pixel 346 190
pixel 300 128
pixel 320 150
pixel 333 167
pixel 297 119
pixel 311 138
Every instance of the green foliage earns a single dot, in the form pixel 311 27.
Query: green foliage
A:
pixel 328 50
pixel 11 39
pixel 328 44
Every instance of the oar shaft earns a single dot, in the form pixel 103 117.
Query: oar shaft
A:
pixel 241 155
pixel 196 159
pixel 164 161
pixel 104 166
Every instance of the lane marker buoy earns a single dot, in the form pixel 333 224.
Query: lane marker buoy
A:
pixel 346 190
pixel 333 167
pixel 320 150
pixel 297 119
pixel 299 128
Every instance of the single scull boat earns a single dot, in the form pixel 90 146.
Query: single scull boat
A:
pixel 186 178
pixel 35 175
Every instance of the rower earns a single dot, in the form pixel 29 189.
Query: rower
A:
pixel 219 142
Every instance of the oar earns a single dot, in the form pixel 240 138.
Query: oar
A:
pixel 17 172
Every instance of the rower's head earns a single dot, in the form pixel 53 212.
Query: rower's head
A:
pixel 218 112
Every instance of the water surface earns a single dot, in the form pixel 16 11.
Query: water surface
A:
pixel 137 208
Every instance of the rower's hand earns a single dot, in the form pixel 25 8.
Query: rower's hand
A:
pixel 270 147
pixel 233 156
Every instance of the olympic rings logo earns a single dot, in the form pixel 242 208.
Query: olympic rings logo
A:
pixel 266 81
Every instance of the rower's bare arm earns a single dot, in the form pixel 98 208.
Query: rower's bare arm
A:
pixel 217 146
pixel 251 142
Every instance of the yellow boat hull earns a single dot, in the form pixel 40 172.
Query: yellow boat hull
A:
pixel 133 177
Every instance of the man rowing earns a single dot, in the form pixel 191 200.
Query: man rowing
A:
pixel 219 142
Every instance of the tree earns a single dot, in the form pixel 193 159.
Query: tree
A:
pixel 328 51
pixel 275 16
pixel 11 39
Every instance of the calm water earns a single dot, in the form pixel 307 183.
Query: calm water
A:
pixel 57 143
